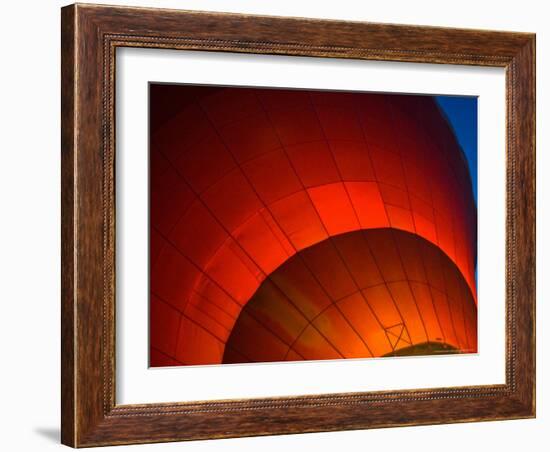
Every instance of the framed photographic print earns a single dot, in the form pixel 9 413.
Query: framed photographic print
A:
pixel 282 225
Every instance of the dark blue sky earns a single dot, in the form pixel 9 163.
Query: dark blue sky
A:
pixel 461 111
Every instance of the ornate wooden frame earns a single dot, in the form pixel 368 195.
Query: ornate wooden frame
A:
pixel 90 35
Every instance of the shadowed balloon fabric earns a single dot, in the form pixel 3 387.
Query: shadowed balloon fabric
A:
pixel 291 225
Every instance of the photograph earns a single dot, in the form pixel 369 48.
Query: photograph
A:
pixel 292 225
pixel 274 222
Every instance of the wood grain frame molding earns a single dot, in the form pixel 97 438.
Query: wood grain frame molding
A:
pixel 90 36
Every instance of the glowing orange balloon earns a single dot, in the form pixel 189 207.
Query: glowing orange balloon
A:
pixel 306 225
